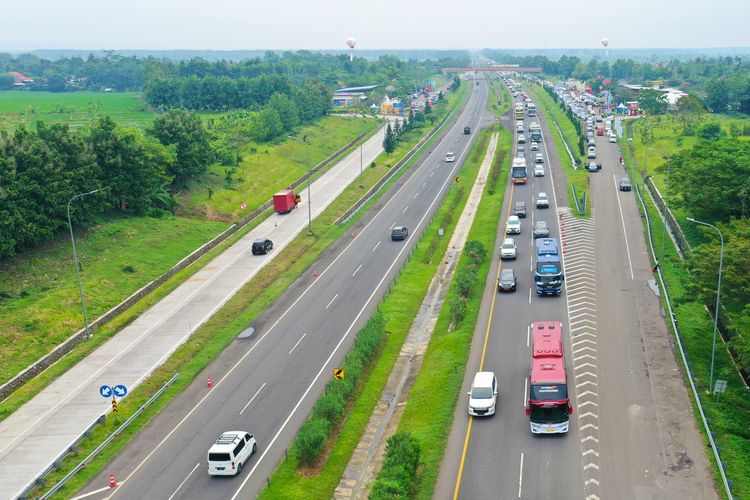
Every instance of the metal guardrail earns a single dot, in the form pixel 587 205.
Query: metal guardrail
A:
pixel 347 216
pixel 39 481
pixel 683 355
pixel 28 373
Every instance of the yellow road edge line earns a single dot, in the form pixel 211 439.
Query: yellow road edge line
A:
pixel 457 489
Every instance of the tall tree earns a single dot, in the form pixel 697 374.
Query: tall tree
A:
pixel 717 97
pixel 184 131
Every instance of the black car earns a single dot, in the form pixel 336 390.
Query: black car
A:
pixel 593 166
pixel 467 130
pixel 262 246
pixel 519 209
pixel 541 229
pixel 625 184
pixel 399 233
pixel 507 281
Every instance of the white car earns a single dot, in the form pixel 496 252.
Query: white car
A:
pixel 612 138
pixel 230 452
pixel 483 394
pixel 539 171
pixel 508 249
pixel 521 139
pixel 450 157
pixel 535 146
pixel 513 226
pixel 539 158
pixel 541 200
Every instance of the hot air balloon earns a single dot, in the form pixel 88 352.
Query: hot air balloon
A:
pixel 351 42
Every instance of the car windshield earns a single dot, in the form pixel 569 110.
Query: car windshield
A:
pixel 481 393
pixel 506 275
pixel 508 246
pixel 541 225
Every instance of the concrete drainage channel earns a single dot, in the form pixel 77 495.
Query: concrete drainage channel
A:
pixel 367 458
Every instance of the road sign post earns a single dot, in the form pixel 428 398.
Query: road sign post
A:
pixel 338 373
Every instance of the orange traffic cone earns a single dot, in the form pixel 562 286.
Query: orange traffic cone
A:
pixel 112 481
pixel 209 383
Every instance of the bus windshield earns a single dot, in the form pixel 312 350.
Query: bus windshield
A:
pixel 549 414
pixel 518 172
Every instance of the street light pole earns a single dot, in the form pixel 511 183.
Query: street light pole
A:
pixel 718 295
pixel 75 260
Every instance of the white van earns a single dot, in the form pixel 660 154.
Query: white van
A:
pixel 230 452
pixel 483 394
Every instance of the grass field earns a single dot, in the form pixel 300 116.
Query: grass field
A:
pixel 77 109
pixel 266 168
pixel 209 340
pixel 39 301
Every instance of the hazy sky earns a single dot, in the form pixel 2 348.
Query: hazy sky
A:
pixel 376 24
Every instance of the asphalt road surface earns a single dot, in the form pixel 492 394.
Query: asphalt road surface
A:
pixel 267 385
pixel 632 434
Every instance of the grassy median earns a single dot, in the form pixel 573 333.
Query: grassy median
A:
pixel 213 336
pixel 428 416
pixel 400 307
pixel 574 177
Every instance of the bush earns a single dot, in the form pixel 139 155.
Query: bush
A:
pixel 310 440
pixel 329 409
pixel 399 472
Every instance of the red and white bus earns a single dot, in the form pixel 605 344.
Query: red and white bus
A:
pixel 548 405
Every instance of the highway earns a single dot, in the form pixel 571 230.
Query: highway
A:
pixel 268 384
pixel 632 432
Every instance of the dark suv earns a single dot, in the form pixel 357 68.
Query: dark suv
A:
pixel 399 233
pixel 507 280
pixel 262 246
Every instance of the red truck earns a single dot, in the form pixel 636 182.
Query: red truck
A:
pixel 285 201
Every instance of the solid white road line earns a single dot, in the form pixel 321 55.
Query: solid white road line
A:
pixel 92 493
pixel 183 482
pixel 300 340
pixel 261 387
pixel 377 245
pixel 260 339
pixel 348 331
pixel 331 302
pixel 622 219
pixel 356 270
pixel 520 477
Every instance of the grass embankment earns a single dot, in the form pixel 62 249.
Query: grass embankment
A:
pixel 212 337
pixel 428 416
pixel 400 306
pixel 39 299
pixel 729 412
pixel 266 168
pixel 575 177
pixel 500 100
pixel 76 109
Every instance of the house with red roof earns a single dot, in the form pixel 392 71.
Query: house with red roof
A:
pixel 21 79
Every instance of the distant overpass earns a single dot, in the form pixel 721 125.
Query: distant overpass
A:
pixel 499 68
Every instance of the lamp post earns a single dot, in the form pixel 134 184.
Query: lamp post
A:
pixel 309 200
pixel 718 295
pixel 75 260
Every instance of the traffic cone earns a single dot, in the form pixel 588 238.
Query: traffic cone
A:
pixel 209 383
pixel 112 481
